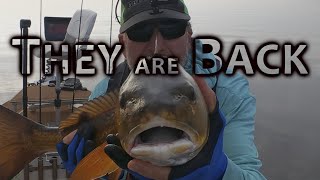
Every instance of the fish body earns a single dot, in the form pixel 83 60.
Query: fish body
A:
pixel 159 119
pixel 163 119
pixel 21 141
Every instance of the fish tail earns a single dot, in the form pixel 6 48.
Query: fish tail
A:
pixel 21 141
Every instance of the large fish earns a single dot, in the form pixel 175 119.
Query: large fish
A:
pixel 159 119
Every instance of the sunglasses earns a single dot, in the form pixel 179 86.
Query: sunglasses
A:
pixel 169 29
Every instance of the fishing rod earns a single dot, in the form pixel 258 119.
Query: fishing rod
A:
pixel 116 11
pixel 110 38
pixel 58 73
pixel 125 64
pixel 40 68
pixel 110 35
pixel 77 52
pixel 111 17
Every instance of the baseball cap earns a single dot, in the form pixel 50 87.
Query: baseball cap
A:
pixel 135 11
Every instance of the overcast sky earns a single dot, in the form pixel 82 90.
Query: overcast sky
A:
pixel 219 12
pixel 253 20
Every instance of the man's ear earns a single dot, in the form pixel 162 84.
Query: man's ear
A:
pixel 189 36
pixel 189 31
pixel 121 38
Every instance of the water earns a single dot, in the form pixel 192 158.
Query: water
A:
pixel 287 120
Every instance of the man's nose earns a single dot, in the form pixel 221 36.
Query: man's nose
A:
pixel 159 44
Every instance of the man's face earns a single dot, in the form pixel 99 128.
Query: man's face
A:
pixel 156 45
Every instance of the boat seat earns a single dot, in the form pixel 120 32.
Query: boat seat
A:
pixel 88 18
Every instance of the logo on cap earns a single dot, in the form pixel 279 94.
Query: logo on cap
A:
pixel 134 2
pixel 155 5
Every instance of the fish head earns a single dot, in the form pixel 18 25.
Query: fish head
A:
pixel 163 119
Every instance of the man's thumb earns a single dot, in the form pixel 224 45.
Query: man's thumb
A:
pixel 207 93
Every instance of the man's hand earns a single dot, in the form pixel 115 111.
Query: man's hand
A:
pixel 146 169
pixel 149 170
pixel 75 146
pixel 208 94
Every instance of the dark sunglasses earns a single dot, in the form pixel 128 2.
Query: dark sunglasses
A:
pixel 169 29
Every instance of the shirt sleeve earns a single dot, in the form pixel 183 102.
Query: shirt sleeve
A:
pixel 239 107
pixel 100 89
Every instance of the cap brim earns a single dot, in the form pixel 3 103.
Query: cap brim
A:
pixel 147 15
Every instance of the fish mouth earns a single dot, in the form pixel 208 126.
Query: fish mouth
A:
pixel 159 140
pixel 159 136
pixel 163 143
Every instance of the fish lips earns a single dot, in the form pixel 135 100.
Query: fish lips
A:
pixel 164 143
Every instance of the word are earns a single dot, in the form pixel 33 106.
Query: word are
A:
pixel 157 65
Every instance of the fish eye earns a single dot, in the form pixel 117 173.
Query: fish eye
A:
pixel 190 93
pixel 185 91
pixel 125 101
pixel 132 100
pixel 178 97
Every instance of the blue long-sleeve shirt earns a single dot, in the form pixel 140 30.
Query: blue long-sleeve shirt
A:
pixel 239 107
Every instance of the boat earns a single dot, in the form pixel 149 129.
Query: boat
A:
pixel 53 98
pixel 48 103
pixel 52 92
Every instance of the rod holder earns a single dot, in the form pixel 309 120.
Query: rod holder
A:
pixel 54 162
pixel 26 172
pixel 40 168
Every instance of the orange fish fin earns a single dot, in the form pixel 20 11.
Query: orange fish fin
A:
pixel 16 146
pixel 91 110
pixel 115 175
pixel 96 164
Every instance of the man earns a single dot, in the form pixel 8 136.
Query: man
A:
pixel 150 28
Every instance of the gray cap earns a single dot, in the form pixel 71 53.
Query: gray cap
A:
pixel 135 11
